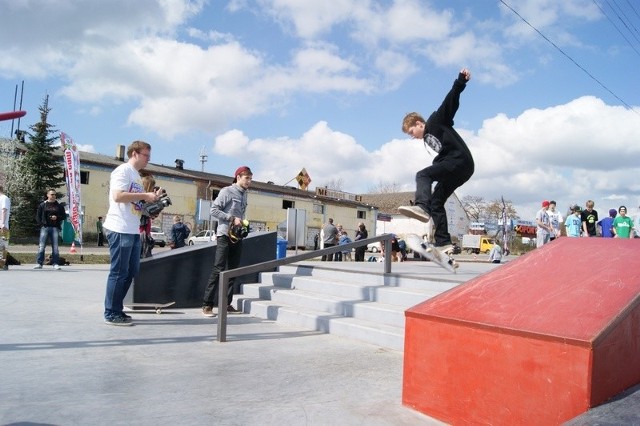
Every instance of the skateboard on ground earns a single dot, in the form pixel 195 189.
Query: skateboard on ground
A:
pixel 429 251
pixel 158 307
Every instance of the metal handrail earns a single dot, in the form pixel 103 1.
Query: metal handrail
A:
pixel 225 276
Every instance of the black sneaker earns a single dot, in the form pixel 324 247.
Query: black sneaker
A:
pixel 120 321
pixel 127 318
pixel 232 310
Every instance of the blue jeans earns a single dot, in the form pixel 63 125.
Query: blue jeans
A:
pixel 124 250
pixel 48 232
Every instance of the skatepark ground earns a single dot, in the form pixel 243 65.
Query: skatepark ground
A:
pixel 62 365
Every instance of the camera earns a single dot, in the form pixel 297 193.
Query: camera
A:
pixel 154 209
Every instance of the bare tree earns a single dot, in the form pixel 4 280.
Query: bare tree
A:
pixel 385 188
pixel 335 184
pixel 475 206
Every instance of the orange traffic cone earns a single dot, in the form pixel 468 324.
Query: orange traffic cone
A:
pixel 72 250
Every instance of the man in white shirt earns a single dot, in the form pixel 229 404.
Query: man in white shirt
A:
pixel 5 211
pixel 122 229
pixel 556 220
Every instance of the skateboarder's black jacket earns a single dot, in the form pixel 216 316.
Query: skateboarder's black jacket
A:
pixel 442 138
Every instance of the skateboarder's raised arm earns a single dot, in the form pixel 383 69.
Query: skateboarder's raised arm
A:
pixel 451 102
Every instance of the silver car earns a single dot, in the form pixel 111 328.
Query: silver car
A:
pixel 159 237
pixel 202 237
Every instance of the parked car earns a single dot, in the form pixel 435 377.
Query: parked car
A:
pixel 374 247
pixel 202 237
pixel 159 237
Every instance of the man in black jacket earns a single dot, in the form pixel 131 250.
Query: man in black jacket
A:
pixel 452 166
pixel 50 216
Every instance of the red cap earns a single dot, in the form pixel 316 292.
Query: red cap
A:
pixel 545 203
pixel 240 170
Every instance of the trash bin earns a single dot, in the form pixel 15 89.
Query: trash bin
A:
pixel 281 248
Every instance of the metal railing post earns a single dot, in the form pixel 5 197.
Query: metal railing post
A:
pixel 222 306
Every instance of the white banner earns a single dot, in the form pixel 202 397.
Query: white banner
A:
pixel 72 173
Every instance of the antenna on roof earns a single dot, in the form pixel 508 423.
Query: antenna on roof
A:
pixel 203 157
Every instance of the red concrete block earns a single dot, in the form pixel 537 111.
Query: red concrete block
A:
pixel 538 340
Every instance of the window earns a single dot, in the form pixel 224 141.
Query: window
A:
pixel 84 178
pixel 318 208
pixel 287 204
pixel 362 214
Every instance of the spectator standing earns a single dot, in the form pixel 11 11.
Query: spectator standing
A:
pixel 330 238
pixel 338 256
pixel 361 234
pixel 555 219
pixel 5 212
pixel 49 216
pixel 573 223
pixel 122 229
pixel 622 224
pixel 495 255
pixel 229 209
pixel 99 230
pixel 544 229
pixel 606 224
pixel 344 239
pixel 589 219
pixel 179 232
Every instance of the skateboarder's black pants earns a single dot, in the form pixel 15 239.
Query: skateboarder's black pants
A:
pixel 227 257
pixel 449 176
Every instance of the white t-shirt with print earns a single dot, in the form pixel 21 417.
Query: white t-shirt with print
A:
pixel 124 218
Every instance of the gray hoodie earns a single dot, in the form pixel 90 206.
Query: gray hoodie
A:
pixel 230 202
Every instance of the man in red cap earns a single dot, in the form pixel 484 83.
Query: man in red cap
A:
pixel 228 208
pixel 543 233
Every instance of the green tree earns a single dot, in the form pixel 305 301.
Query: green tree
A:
pixel 41 169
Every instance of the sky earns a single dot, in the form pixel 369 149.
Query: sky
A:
pixel 552 110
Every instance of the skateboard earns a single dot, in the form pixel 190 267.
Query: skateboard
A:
pixel 158 307
pixel 429 251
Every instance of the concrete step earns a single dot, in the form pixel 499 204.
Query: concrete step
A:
pixel 368 331
pixel 384 313
pixel 430 276
pixel 406 295
pixel 363 304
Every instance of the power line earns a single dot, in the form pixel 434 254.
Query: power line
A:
pixel 569 57
pixel 622 20
pixel 615 26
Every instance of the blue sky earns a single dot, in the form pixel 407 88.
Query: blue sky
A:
pixel 284 84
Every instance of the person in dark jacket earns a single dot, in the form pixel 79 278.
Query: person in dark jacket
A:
pixel 452 166
pixel 179 232
pixel 361 234
pixel 49 216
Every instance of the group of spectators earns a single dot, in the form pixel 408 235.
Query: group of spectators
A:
pixel 332 235
pixel 582 223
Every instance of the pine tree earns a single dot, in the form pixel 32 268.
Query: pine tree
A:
pixel 40 169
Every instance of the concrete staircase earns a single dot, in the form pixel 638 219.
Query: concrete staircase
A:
pixel 363 305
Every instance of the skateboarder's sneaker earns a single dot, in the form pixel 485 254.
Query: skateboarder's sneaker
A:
pixel 415 212
pixel 118 321
pixel 56 267
pixel 207 311
pixel 127 318
pixel 38 266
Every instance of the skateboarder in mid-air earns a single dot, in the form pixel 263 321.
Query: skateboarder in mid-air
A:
pixel 452 166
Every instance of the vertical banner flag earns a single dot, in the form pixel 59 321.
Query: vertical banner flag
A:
pixel 72 173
